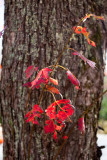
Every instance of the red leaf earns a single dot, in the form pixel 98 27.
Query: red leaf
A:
pixel 68 109
pixel 58 128
pixel 65 112
pixel 77 29
pixel 62 116
pixel 37 108
pixel 77 87
pixel 72 78
pixel 80 29
pixel 54 81
pixel 93 43
pixel 65 137
pixel 32 115
pixel 91 63
pixel 32 119
pixel 42 77
pixel 28 84
pixel 62 101
pixel 52 89
pixel 81 124
pixel 50 127
pixel 55 136
pixel 50 112
pixel 29 71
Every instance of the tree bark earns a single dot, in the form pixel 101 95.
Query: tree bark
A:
pixel 36 34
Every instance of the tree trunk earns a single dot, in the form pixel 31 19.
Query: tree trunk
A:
pixel 36 34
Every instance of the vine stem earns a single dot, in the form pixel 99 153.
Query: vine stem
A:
pixel 84 113
pixel 41 95
pixel 59 66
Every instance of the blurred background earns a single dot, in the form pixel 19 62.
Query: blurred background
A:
pixel 102 134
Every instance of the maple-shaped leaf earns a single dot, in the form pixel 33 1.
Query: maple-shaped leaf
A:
pixel 81 124
pixel 54 81
pixel 68 109
pixel 58 128
pixel 50 126
pixel 50 112
pixel 32 120
pixel 61 101
pixel 55 136
pixel 62 115
pixel 32 115
pixel 29 71
pixel 52 89
pixel 80 29
pixel 91 63
pixel 65 112
pixel 72 78
pixel 36 108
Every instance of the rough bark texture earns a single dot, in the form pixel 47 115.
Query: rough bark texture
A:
pixel 36 33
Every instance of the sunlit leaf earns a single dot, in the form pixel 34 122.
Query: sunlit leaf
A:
pixel 54 81
pixel 80 29
pixel 52 89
